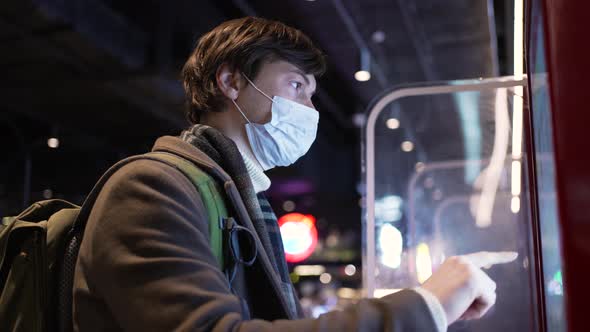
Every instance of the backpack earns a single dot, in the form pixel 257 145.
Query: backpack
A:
pixel 39 248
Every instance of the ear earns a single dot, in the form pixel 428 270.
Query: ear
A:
pixel 228 81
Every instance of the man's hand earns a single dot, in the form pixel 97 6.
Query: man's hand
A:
pixel 463 289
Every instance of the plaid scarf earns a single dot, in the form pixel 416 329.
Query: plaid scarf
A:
pixel 226 154
pixel 274 232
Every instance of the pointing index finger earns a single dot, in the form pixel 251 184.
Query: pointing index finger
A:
pixel 485 259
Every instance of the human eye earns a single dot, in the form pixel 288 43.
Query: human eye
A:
pixel 296 85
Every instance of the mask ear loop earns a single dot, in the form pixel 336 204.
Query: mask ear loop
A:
pixel 240 110
pixel 255 87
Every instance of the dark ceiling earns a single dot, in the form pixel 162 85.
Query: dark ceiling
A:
pixel 102 76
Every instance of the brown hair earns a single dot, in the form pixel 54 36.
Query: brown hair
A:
pixel 244 44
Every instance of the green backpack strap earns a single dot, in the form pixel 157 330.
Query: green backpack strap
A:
pixel 210 193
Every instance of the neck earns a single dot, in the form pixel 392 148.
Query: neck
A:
pixel 231 123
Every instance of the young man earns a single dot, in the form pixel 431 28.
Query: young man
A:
pixel 145 263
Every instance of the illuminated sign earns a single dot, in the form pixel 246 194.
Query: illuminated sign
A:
pixel 299 234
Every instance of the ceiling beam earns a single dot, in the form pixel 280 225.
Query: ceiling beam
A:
pixel 106 28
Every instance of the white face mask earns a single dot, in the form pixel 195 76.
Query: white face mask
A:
pixel 287 137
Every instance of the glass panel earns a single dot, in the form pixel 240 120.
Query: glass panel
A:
pixel 545 179
pixel 445 176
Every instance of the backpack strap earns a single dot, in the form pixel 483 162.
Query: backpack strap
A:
pixel 210 194
pixel 225 234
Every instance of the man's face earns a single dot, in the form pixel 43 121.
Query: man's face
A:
pixel 279 78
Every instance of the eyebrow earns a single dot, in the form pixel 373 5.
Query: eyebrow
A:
pixel 302 74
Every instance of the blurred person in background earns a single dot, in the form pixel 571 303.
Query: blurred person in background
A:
pixel 146 264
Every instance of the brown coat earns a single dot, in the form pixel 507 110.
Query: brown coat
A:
pixel 145 265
